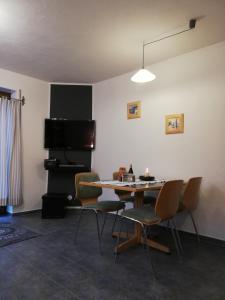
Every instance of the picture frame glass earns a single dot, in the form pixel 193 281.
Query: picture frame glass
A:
pixel 174 123
pixel 134 110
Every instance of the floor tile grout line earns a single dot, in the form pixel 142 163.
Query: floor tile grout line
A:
pixel 44 274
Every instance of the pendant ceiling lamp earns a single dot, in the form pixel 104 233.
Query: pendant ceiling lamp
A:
pixel 144 75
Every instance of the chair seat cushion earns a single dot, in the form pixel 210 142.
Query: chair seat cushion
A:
pixel 145 215
pixel 181 207
pixel 129 199
pixel 149 200
pixel 106 206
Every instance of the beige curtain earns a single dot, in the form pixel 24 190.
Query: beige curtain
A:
pixel 10 152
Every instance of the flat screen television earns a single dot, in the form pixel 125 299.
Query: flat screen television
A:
pixel 63 134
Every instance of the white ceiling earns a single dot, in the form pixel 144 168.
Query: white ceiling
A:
pixel 86 41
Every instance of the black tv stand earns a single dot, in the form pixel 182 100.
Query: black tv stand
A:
pixel 75 168
pixel 71 165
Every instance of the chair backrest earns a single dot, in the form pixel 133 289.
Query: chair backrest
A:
pixel 168 199
pixel 115 175
pixel 121 194
pixel 191 193
pixel 87 194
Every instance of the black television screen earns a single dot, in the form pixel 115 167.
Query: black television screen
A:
pixel 69 134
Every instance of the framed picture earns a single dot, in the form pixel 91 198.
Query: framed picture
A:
pixel 134 110
pixel 174 123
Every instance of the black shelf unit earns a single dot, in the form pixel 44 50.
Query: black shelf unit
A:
pixel 62 177
pixel 68 168
pixel 72 102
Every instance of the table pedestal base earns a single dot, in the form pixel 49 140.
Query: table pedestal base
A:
pixel 133 240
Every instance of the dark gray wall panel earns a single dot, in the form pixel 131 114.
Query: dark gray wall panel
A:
pixel 69 102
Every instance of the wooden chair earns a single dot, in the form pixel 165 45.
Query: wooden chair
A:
pixel 127 197
pixel 190 198
pixel 88 197
pixel 165 209
pixel 123 195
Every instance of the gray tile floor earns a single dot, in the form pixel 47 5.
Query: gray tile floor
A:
pixel 52 267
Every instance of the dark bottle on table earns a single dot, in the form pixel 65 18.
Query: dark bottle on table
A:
pixel 131 170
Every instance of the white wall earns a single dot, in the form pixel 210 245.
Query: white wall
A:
pixel 193 84
pixel 34 111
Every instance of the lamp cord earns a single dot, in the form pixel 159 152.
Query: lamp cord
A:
pixel 166 37
pixel 143 56
pixel 192 23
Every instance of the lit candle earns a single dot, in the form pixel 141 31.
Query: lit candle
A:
pixel 146 172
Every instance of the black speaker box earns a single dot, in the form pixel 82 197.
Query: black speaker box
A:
pixel 53 205
pixel 3 210
pixel 51 163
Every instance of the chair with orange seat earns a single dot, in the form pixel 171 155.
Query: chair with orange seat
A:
pixel 165 209
pixel 123 195
pixel 88 197
pixel 127 197
pixel 190 198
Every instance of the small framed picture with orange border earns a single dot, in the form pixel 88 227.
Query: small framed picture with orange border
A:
pixel 174 123
pixel 134 110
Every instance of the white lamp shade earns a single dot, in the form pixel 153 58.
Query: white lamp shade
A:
pixel 143 75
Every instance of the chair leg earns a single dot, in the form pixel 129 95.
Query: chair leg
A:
pixel 127 229
pixel 195 227
pixel 118 239
pixel 168 225
pixel 174 238
pixel 177 236
pixel 103 224
pixel 78 225
pixel 115 220
pixel 98 231
pixel 144 229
